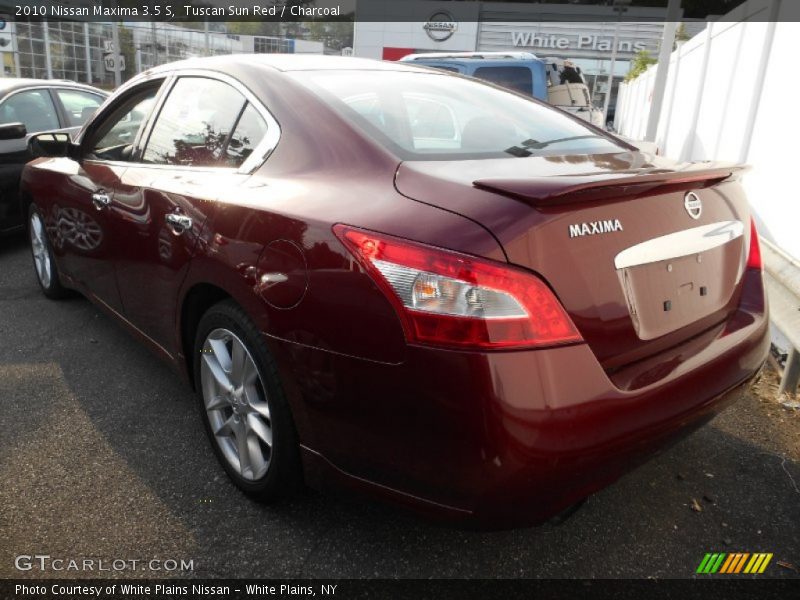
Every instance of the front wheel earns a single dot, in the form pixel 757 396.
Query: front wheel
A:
pixel 43 261
pixel 242 404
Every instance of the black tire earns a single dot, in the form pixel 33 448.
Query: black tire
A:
pixel 41 250
pixel 283 476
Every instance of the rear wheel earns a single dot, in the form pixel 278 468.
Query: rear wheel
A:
pixel 43 261
pixel 242 404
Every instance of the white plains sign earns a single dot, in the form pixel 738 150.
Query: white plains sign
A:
pixel 527 39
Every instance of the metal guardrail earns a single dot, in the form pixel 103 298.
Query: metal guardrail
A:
pixel 782 278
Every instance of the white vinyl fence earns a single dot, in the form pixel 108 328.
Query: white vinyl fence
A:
pixel 733 95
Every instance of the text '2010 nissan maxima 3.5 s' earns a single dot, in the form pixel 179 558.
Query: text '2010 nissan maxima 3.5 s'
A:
pixel 386 278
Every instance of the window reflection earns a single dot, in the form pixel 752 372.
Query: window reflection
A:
pixel 193 127
pixel 118 134
pixel 33 108
pixel 79 105
pixel 250 130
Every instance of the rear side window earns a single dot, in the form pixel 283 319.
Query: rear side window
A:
pixel 249 132
pixel 195 125
pixel 519 79
pixel 78 105
pixel 33 108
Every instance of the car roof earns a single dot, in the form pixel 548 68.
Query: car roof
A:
pixel 288 62
pixel 10 84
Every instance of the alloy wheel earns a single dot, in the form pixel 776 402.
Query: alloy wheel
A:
pixel 236 404
pixel 41 255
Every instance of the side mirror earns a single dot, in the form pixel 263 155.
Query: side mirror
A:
pixel 52 145
pixel 13 131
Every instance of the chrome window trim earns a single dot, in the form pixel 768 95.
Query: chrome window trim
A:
pixel 260 153
pixel 143 135
pixel 680 244
pixel 61 88
pixel 123 89
pixel 165 86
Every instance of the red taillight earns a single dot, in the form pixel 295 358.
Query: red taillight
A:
pixel 754 257
pixel 450 299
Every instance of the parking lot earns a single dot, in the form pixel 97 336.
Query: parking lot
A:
pixel 103 456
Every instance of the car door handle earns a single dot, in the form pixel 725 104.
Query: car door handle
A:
pixel 100 200
pixel 178 223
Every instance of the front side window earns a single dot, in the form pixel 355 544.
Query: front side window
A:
pixel 79 105
pixel 115 136
pixel 33 108
pixel 432 116
pixel 195 124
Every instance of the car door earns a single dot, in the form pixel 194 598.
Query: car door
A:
pixel 81 216
pixel 191 159
pixel 39 109
pixel 35 109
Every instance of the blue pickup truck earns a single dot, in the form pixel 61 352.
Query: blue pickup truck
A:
pixel 522 72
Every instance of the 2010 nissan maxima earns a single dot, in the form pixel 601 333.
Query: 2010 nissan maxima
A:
pixel 383 277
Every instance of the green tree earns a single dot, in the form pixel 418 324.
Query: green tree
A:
pixel 639 64
pixel 127 49
pixel 680 35
pixel 251 27
pixel 334 34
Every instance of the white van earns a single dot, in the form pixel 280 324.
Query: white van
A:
pixel 567 89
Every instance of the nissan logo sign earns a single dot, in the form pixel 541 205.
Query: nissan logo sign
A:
pixel 441 26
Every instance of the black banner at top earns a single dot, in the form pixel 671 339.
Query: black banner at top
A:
pixel 426 11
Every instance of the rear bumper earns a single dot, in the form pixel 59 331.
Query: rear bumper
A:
pixel 511 437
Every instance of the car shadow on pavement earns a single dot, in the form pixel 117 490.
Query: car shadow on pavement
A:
pixel 105 456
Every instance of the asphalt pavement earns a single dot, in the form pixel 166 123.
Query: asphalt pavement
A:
pixel 103 456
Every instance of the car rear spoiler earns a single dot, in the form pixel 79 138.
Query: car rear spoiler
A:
pixel 556 191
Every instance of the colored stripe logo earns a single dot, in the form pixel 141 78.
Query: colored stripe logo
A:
pixel 734 563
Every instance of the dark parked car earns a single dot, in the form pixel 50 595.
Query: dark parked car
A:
pixel 403 281
pixel 38 105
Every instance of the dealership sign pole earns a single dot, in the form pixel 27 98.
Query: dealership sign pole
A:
pixel 115 38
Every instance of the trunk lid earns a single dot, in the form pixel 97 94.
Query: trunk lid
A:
pixel 644 253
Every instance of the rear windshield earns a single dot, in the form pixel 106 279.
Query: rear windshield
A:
pixel 433 116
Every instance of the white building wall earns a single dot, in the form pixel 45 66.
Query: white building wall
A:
pixel 713 96
pixel 308 47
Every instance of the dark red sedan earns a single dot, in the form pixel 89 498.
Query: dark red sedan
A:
pixel 404 281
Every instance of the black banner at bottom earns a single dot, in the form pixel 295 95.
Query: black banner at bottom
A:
pixel 416 589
